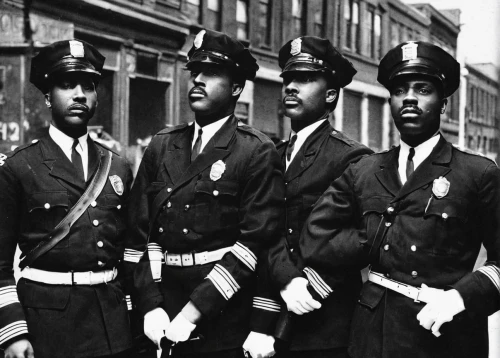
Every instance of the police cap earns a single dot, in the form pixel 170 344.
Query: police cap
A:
pixel 419 57
pixel 218 48
pixel 64 56
pixel 310 53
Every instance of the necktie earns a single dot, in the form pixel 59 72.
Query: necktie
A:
pixel 197 146
pixel 291 145
pixel 76 159
pixel 409 163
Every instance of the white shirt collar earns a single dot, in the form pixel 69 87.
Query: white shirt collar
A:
pixel 422 151
pixel 302 136
pixel 65 142
pixel 208 131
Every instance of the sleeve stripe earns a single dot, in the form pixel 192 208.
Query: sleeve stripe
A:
pixel 131 255
pixel 266 304
pixel 8 295
pixel 493 273
pixel 223 281
pixel 244 254
pixel 129 302
pixel 12 330
pixel 155 260
pixel 317 283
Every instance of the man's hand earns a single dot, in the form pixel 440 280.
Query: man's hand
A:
pixel 297 297
pixel 259 345
pixel 19 349
pixel 441 307
pixel 156 323
pixel 180 329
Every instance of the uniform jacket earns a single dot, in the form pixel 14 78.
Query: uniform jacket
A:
pixel 322 158
pixel 37 188
pixel 231 195
pixel 417 233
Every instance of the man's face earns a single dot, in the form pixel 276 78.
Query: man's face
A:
pixel 416 106
pixel 73 98
pixel 304 95
pixel 210 89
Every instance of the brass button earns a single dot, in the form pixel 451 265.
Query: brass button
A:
pixel 118 207
pixel 34 141
pixel 290 231
pixel 291 250
pixel 388 224
pixel 413 248
pixel 169 190
pixel 216 192
pixel 444 216
pixel 95 222
pixel 386 247
pixel 414 273
pixel 390 210
pixel 186 207
pixel 160 230
pixel 93 204
pixel 47 206
pixel 169 204
pixel 185 231
pixel 100 243
pixel 100 263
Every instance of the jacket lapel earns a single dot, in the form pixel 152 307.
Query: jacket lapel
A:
pixel 306 155
pixel 216 149
pixel 388 174
pixel 60 166
pixel 434 166
pixel 95 156
pixel 178 156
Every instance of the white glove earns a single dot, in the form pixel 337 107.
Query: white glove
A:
pixel 156 323
pixel 180 329
pixel 441 307
pixel 259 345
pixel 297 297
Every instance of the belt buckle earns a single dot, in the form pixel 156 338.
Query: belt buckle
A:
pixel 81 278
pixel 187 259
pixel 173 259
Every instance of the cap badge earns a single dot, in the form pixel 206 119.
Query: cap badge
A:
pixel 296 46
pixel 117 184
pixel 76 49
pixel 218 168
pixel 198 40
pixel 409 51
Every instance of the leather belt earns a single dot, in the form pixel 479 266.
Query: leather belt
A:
pixel 402 288
pixel 192 258
pixel 69 278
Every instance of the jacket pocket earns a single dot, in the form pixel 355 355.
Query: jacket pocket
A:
pixel 39 295
pixel 445 218
pixel 371 294
pixel 216 204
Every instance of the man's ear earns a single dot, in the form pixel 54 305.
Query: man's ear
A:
pixel 331 94
pixel 237 89
pixel 444 103
pixel 47 100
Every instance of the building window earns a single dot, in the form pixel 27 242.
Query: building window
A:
pixel 193 10
pixel 265 13
pixel 395 35
pixel 319 16
pixel 377 37
pixel 298 17
pixel 351 15
pixel 213 15
pixel 242 19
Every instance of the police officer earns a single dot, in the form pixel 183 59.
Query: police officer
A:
pixel 68 302
pixel 209 195
pixel 313 73
pixel 418 213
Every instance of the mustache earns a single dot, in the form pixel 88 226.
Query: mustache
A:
pixel 198 90
pixel 79 106
pixel 410 108
pixel 291 97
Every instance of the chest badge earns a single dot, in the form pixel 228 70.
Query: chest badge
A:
pixel 218 168
pixel 117 184
pixel 440 187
